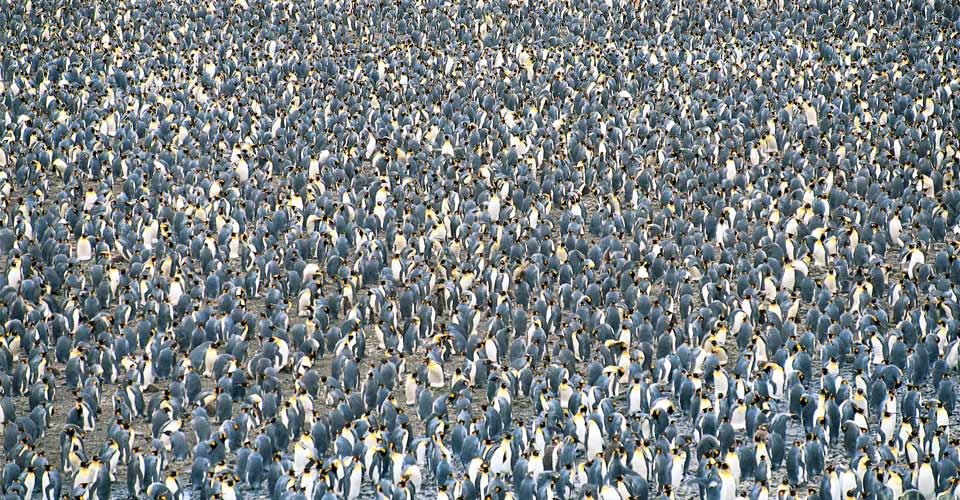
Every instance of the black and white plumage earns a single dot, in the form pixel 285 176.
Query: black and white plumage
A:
pixel 610 249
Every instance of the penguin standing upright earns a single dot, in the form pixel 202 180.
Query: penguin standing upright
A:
pixel 84 248
pixel 925 480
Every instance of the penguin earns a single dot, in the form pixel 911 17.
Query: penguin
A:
pixel 50 483
pixel 924 479
pixel 84 251
pixel 434 371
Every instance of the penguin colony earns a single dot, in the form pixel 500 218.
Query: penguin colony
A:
pixel 502 249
